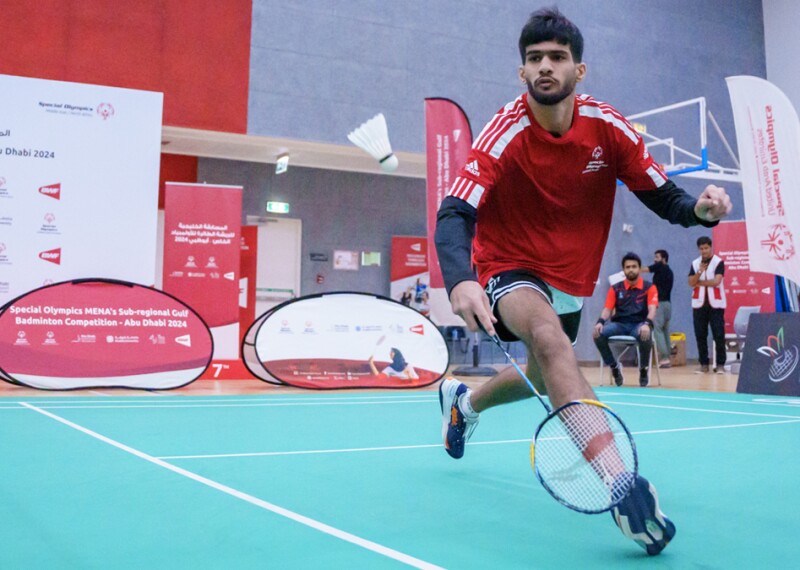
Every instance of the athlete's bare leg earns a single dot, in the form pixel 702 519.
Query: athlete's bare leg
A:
pixel 530 317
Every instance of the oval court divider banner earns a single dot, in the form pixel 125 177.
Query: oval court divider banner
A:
pixel 345 340
pixel 249 355
pixel 94 333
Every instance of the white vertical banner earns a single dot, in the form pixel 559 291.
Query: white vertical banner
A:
pixel 768 135
pixel 78 183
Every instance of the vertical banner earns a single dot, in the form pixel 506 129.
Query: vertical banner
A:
pixel 768 135
pixel 448 139
pixel 743 287
pixel 409 272
pixel 78 183
pixel 202 249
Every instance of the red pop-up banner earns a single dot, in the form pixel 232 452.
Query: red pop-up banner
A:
pixel 448 139
pixel 202 248
pixel 743 287
pixel 409 273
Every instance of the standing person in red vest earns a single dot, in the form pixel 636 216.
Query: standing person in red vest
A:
pixel 708 304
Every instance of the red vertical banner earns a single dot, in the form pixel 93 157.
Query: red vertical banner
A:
pixel 247 279
pixel 409 272
pixel 448 139
pixel 743 287
pixel 202 249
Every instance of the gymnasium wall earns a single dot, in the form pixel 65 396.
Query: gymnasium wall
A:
pixel 340 210
pixel 195 52
pixel 313 70
pixel 782 46
pixel 319 69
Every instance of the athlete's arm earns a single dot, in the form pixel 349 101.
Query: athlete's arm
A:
pixel 455 228
pixel 678 207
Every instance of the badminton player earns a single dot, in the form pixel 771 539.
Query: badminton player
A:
pixel 530 212
pixel 397 368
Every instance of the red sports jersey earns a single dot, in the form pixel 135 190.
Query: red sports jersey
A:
pixel 544 203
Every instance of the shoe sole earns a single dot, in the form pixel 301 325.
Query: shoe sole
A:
pixel 667 527
pixel 668 530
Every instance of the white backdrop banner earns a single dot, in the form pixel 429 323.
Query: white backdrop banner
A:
pixel 768 135
pixel 78 183
pixel 345 340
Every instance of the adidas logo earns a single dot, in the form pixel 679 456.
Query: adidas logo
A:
pixel 472 168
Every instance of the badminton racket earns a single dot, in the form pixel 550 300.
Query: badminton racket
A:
pixel 377 344
pixel 582 452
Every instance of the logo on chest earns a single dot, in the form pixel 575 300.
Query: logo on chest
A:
pixel 597 161
pixel 472 168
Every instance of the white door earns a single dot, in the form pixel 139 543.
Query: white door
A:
pixel 278 265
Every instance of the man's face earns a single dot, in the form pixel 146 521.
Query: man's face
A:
pixel 705 252
pixel 658 258
pixel 550 73
pixel 631 269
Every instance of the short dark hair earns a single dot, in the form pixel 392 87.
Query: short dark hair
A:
pixel 549 24
pixel 630 256
pixel 663 253
pixel 703 240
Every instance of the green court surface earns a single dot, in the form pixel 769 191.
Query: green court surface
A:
pixel 361 480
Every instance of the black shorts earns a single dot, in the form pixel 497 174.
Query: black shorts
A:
pixel 508 281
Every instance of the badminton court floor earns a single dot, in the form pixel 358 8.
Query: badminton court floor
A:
pixel 360 480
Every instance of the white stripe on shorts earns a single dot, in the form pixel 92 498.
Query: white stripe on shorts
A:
pixel 562 303
pixel 497 293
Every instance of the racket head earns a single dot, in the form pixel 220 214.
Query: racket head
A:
pixel 585 457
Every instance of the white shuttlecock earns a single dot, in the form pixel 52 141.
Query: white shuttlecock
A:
pixel 373 137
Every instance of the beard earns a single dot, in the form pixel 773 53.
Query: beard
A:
pixel 551 98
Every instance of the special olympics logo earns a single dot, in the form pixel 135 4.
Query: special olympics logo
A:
pixel 784 360
pixel 779 242
pixel 597 152
pixel 105 110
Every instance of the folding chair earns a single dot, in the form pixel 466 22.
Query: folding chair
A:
pixel 627 341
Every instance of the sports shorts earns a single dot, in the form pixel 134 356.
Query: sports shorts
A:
pixel 567 307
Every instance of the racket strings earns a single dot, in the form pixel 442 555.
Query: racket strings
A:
pixel 584 457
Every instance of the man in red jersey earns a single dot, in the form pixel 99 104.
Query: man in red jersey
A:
pixel 531 212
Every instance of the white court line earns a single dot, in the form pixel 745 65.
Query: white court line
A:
pixel 227 399
pixel 309 522
pixel 728 412
pixel 171 405
pixel 431 445
pixel 756 402
pixel 361 402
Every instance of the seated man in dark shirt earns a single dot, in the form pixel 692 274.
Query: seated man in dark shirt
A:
pixel 633 302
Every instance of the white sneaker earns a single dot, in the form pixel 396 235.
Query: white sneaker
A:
pixel 456 427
